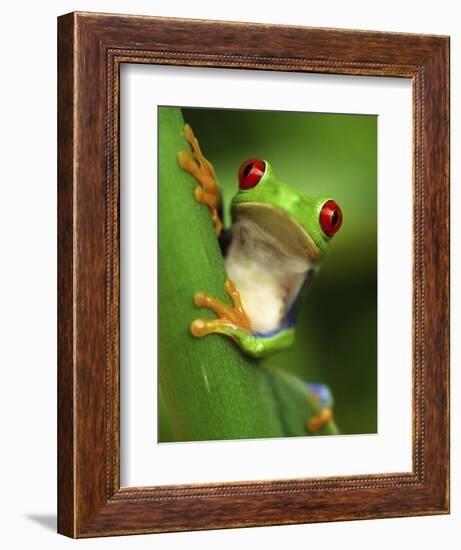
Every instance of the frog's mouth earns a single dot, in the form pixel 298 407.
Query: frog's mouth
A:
pixel 281 226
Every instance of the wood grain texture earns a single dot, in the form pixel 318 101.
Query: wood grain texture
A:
pixel 65 277
pixel 91 48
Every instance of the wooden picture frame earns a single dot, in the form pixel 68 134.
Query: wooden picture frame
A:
pixel 91 48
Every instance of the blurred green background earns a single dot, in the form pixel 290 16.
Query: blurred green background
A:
pixel 319 154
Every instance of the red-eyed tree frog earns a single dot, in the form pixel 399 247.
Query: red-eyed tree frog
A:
pixel 277 240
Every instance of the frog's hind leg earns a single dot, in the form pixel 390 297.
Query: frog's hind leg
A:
pixel 321 398
pixel 207 190
pixel 317 422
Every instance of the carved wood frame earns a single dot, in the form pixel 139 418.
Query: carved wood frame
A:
pixel 91 49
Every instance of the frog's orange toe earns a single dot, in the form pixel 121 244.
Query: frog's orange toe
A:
pixel 198 327
pixel 199 194
pixel 200 299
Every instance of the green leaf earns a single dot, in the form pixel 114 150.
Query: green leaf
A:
pixel 209 389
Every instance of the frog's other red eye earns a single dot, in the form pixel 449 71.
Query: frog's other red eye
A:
pixel 250 173
pixel 331 218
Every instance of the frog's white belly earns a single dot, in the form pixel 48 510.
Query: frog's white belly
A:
pixel 267 278
pixel 262 295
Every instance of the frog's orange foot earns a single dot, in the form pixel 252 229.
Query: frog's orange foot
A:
pixel 230 318
pixel 318 421
pixel 207 190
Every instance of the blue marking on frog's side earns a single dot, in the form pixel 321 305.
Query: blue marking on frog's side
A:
pixel 322 392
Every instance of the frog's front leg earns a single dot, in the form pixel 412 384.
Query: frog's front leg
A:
pixel 232 320
pixel 207 191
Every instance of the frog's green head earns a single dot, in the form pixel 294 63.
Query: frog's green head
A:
pixel 300 222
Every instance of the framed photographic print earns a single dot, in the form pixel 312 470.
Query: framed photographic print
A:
pixel 253 275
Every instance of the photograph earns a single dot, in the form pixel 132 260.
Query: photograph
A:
pixel 267 274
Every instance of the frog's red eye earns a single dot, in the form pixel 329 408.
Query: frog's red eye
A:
pixel 250 173
pixel 331 218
